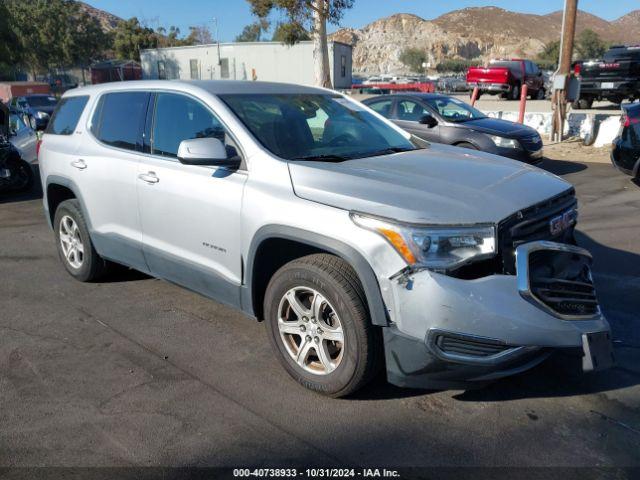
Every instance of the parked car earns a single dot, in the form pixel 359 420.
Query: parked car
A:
pixel 614 78
pixel 442 119
pixel 506 77
pixel 625 154
pixel 305 209
pixel 24 138
pixel 452 84
pixel 35 109
pixel 16 175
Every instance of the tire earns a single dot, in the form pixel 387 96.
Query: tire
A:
pixel 87 265
pixel 541 94
pixel 341 307
pixel 24 177
pixel 515 93
pixel 467 145
pixel 582 103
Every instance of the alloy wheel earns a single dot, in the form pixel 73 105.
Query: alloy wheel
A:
pixel 71 242
pixel 311 330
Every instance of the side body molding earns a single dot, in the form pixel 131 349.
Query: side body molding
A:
pixel 376 305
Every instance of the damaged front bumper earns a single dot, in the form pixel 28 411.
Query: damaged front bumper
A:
pixel 453 333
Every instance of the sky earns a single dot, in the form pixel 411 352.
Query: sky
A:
pixel 233 15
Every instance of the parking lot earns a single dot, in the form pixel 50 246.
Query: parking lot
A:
pixel 137 372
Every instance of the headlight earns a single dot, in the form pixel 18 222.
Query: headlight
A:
pixel 503 142
pixel 42 115
pixel 438 248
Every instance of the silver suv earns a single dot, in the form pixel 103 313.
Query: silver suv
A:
pixel 356 243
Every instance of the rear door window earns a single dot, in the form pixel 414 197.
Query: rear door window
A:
pixel 119 119
pixel 67 115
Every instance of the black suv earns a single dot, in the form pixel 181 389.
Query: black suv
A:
pixel 626 147
pixel 615 78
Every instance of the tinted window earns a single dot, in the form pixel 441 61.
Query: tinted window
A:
pixel 42 101
pixel 181 118
pixel 119 118
pixel 454 110
pixel 411 111
pixel 383 107
pixel 67 115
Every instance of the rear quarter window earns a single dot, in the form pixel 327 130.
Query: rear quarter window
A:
pixel 67 115
pixel 119 118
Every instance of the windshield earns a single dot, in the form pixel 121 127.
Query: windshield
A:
pixel 315 126
pixel 454 110
pixel 42 101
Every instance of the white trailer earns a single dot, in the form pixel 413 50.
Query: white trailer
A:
pixel 266 61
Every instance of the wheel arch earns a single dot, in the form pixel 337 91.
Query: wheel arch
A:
pixel 58 189
pixel 261 265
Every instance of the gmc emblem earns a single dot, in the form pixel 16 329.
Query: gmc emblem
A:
pixel 559 224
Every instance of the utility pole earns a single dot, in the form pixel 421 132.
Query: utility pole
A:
pixel 215 21
pixel 559 99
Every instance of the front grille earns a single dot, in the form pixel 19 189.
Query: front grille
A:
pixel 562 281
pixel 469 346
pixel 531 144
pixel 534 224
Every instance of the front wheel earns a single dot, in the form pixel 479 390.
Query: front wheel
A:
pixel 318 324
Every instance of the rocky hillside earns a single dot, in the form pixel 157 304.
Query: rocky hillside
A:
pixel 107 20
pixel 470 33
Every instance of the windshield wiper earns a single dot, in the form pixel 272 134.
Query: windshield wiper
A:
pixel 322 158
pixel 386 151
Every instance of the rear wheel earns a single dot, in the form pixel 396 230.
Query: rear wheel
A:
pixel 74 244
pixel 582 103
pixel 515 92
pixel 22 176
pixel 317 322
pixel 541 94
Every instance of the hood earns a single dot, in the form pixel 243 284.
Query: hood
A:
pixel 496 126
pixel 437 185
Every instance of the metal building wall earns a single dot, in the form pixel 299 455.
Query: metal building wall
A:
pixel 266 61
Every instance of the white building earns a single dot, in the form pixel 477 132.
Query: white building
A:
pixel 266 61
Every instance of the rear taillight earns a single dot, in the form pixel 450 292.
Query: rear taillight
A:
pixel 577 69
pixel 627 121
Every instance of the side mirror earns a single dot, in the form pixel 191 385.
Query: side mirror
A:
pixel 428 120
pixel 206 152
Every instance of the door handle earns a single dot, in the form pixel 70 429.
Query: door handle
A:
pixel 79 164
pixel 149 177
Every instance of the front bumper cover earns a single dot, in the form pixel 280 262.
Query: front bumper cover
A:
pixel 493 315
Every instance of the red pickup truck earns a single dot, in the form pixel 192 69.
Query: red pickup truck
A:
pixel 506 77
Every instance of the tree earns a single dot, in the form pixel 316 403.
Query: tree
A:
pixel 289 33
pixel 550 54
pixel 455 65
pixel 88 42
pixel 130 37
pixel 10 50
pixel 413 58
pixel 307 16
pixel 199 35
pixel 50 34
pixel 589 45
pixel 250 33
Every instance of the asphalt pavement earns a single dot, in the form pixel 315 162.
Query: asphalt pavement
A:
pixel 134 371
